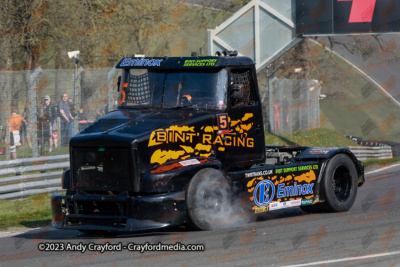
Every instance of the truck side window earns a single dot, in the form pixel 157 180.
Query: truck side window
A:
pixel 243 78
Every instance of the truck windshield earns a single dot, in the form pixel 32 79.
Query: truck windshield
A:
pixel 168 89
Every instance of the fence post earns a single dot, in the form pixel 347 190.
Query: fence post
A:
pixel 110 77
pixel 33 118
pixel 58 131
pixel 75 124
pixel 7 142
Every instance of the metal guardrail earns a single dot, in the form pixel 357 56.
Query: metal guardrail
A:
pixel 376 152
pixel 21 184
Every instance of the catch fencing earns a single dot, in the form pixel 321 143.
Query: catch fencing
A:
pixel 293 105
pixel 94 92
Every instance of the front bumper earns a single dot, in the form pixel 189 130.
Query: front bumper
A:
pixel 118 214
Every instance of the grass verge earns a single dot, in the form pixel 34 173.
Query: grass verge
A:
pixel 26 213
pixel 312 138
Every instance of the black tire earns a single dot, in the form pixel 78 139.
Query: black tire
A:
pixel 339 184
pixel 208 199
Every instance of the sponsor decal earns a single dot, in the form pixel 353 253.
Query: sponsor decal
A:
pixel 306 202
pixel 264 193
pixel 190 142
pixel 322 152
pixel 141 62
pixel 284 204
pixel 223 125
pixel 260 173
pixel 189 162
pixel 287 186
pixel 295 190
pixel 295 169
pixel 262 209
pixel 199 62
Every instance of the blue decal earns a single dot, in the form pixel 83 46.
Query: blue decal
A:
pixel 296 190
pixel 141 62
pixel 264 193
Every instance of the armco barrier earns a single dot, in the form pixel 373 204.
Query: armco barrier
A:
pixel 23 185
pixel 19 184
pixel 376 152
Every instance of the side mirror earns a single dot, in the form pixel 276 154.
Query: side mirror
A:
pixel 119 82
pixel 236 91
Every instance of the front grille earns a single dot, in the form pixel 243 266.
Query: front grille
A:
pixel 101 169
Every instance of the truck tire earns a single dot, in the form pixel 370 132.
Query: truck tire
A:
pixel 339 184
pixel 208 199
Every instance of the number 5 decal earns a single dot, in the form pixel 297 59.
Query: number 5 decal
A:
pixel 223 123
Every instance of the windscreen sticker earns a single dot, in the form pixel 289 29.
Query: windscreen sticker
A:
pixel 129 62
pixel 200 62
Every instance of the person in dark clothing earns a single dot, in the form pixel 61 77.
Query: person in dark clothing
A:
pixel 66 119
pixel 45 123
pixel 22 130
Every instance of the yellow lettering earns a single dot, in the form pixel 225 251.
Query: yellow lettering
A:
pixel 161 136
pixel 250 142
pixel 218 140
pixel 241 142
pixel 207 138
pixel 226 141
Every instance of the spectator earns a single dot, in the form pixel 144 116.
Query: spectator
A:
pixel 23 131
pixel 66 119
pixel 54 126
pixel 72 109
pixel 82 115
pixel 46 117
pixel 15 122
pixel 82 119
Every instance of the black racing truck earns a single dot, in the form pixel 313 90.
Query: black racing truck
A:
pixel 186 146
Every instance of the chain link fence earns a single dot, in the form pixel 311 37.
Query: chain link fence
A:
pixel 24 91
pixel 291 105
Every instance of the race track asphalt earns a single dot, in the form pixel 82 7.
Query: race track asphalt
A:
pixel 367 235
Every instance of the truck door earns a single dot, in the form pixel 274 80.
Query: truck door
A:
pixel 244 145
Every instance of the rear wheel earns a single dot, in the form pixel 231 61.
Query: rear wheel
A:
pixel 208 199
pixel 339 184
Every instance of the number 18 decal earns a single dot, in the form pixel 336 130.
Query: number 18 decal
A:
pixel 223 123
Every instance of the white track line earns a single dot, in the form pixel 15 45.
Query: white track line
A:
pixel 346 259
pixel 385 168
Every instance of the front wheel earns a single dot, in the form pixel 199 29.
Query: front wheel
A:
pixel 339 184
pixel 208 199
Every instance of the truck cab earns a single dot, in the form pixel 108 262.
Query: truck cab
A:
pixel 186 139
